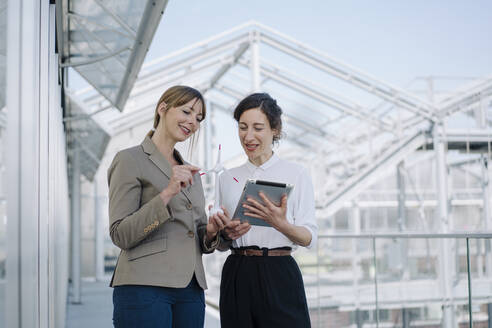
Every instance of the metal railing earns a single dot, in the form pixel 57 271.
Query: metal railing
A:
pixel 443 276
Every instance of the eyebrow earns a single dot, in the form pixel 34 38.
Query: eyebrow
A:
pixel 262 124
pixel 192 109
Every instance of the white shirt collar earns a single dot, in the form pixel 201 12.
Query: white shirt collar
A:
pixel 271 161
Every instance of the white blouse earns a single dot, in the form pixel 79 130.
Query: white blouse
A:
pixel 300 204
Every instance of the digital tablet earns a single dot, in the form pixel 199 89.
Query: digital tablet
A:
pixel 273 190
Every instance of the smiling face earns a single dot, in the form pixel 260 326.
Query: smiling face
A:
pixel 179 123
pixel 256 135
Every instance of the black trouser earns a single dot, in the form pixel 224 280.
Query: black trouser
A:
pixel 262 292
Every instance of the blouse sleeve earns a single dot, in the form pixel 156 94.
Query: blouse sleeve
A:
pixel 304 209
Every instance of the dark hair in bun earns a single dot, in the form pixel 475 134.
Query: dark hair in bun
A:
pixel 268 106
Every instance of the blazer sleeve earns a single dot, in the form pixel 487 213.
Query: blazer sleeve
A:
pixel 129 222
pixel 220 242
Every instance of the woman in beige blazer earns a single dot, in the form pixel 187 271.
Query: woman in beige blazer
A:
pixel 157 219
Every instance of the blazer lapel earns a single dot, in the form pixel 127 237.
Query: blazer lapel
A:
pixel 156 157
pixel 162 163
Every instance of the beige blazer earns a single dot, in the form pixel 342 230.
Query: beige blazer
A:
pixel 160 245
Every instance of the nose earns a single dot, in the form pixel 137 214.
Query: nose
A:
pixel 193 121
pixel 249 135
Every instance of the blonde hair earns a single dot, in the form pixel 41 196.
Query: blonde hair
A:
pixel 174 97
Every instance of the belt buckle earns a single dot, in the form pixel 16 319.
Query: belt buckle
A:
pixel 265 251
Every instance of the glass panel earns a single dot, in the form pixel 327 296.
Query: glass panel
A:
pixel 339 282
pixel 3 225
pixel 3 135
pixel 99 29
pixel 409 292
pixel 111 252
pixel 421 282
pixel 481 272
pixel 3 50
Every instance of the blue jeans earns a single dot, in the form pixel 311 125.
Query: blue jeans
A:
pixel 151 306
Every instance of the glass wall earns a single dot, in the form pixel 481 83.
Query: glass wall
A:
pixel 395 281
pixel 3 203
pixel 36 232
pixel 421 281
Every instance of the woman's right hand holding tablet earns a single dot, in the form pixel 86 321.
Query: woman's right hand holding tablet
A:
pixel 235 229
pixel 222 221
pixel 182 177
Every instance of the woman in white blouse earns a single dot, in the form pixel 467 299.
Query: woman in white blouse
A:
pixel 261 283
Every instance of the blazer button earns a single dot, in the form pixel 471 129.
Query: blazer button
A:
pixel 191 234
pixel 189 206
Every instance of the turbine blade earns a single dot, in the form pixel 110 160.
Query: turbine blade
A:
pixel 228 174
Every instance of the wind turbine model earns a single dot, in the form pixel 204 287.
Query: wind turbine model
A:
pixel 216 170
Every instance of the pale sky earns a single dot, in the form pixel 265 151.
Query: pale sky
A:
pixel 393 40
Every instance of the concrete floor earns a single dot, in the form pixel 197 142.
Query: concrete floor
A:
pixel 97 307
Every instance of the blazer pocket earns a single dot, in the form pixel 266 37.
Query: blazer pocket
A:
pixel 156 243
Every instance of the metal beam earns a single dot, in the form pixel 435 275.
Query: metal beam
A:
pixel 99 63
pixel 147 89
pixel 231 61
pixel 255 61
pixel 150 21
pixel 3 118
pixel 229 111
pixel 276 75
pixel 304 126
pixel 117 19
pixel 383 90
pixel 202 45
pixel 410 235
pixel 209 52
pixel 84 31
pixel 358 182
pixel 185 65
pixel 98 236
pixel 444 260
pixel 97 23
pixel 291 119
pixel 76 231
pixel 93 59
pixel 400 182
pixel 486 215
pixel 466 98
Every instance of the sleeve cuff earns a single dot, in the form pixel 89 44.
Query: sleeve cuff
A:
pixel 213 244
pixel 313 237
pixel 164 212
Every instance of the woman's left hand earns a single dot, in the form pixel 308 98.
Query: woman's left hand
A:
pixel 271 213
pixel 216 223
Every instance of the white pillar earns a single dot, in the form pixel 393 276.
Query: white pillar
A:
pixel 444 259
pixel 486 215
pixel 355 254
pixel 402 220
pixel 22 292
pixel 98 236
pixel 400 182
pixel 75 214
pixel 255 61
